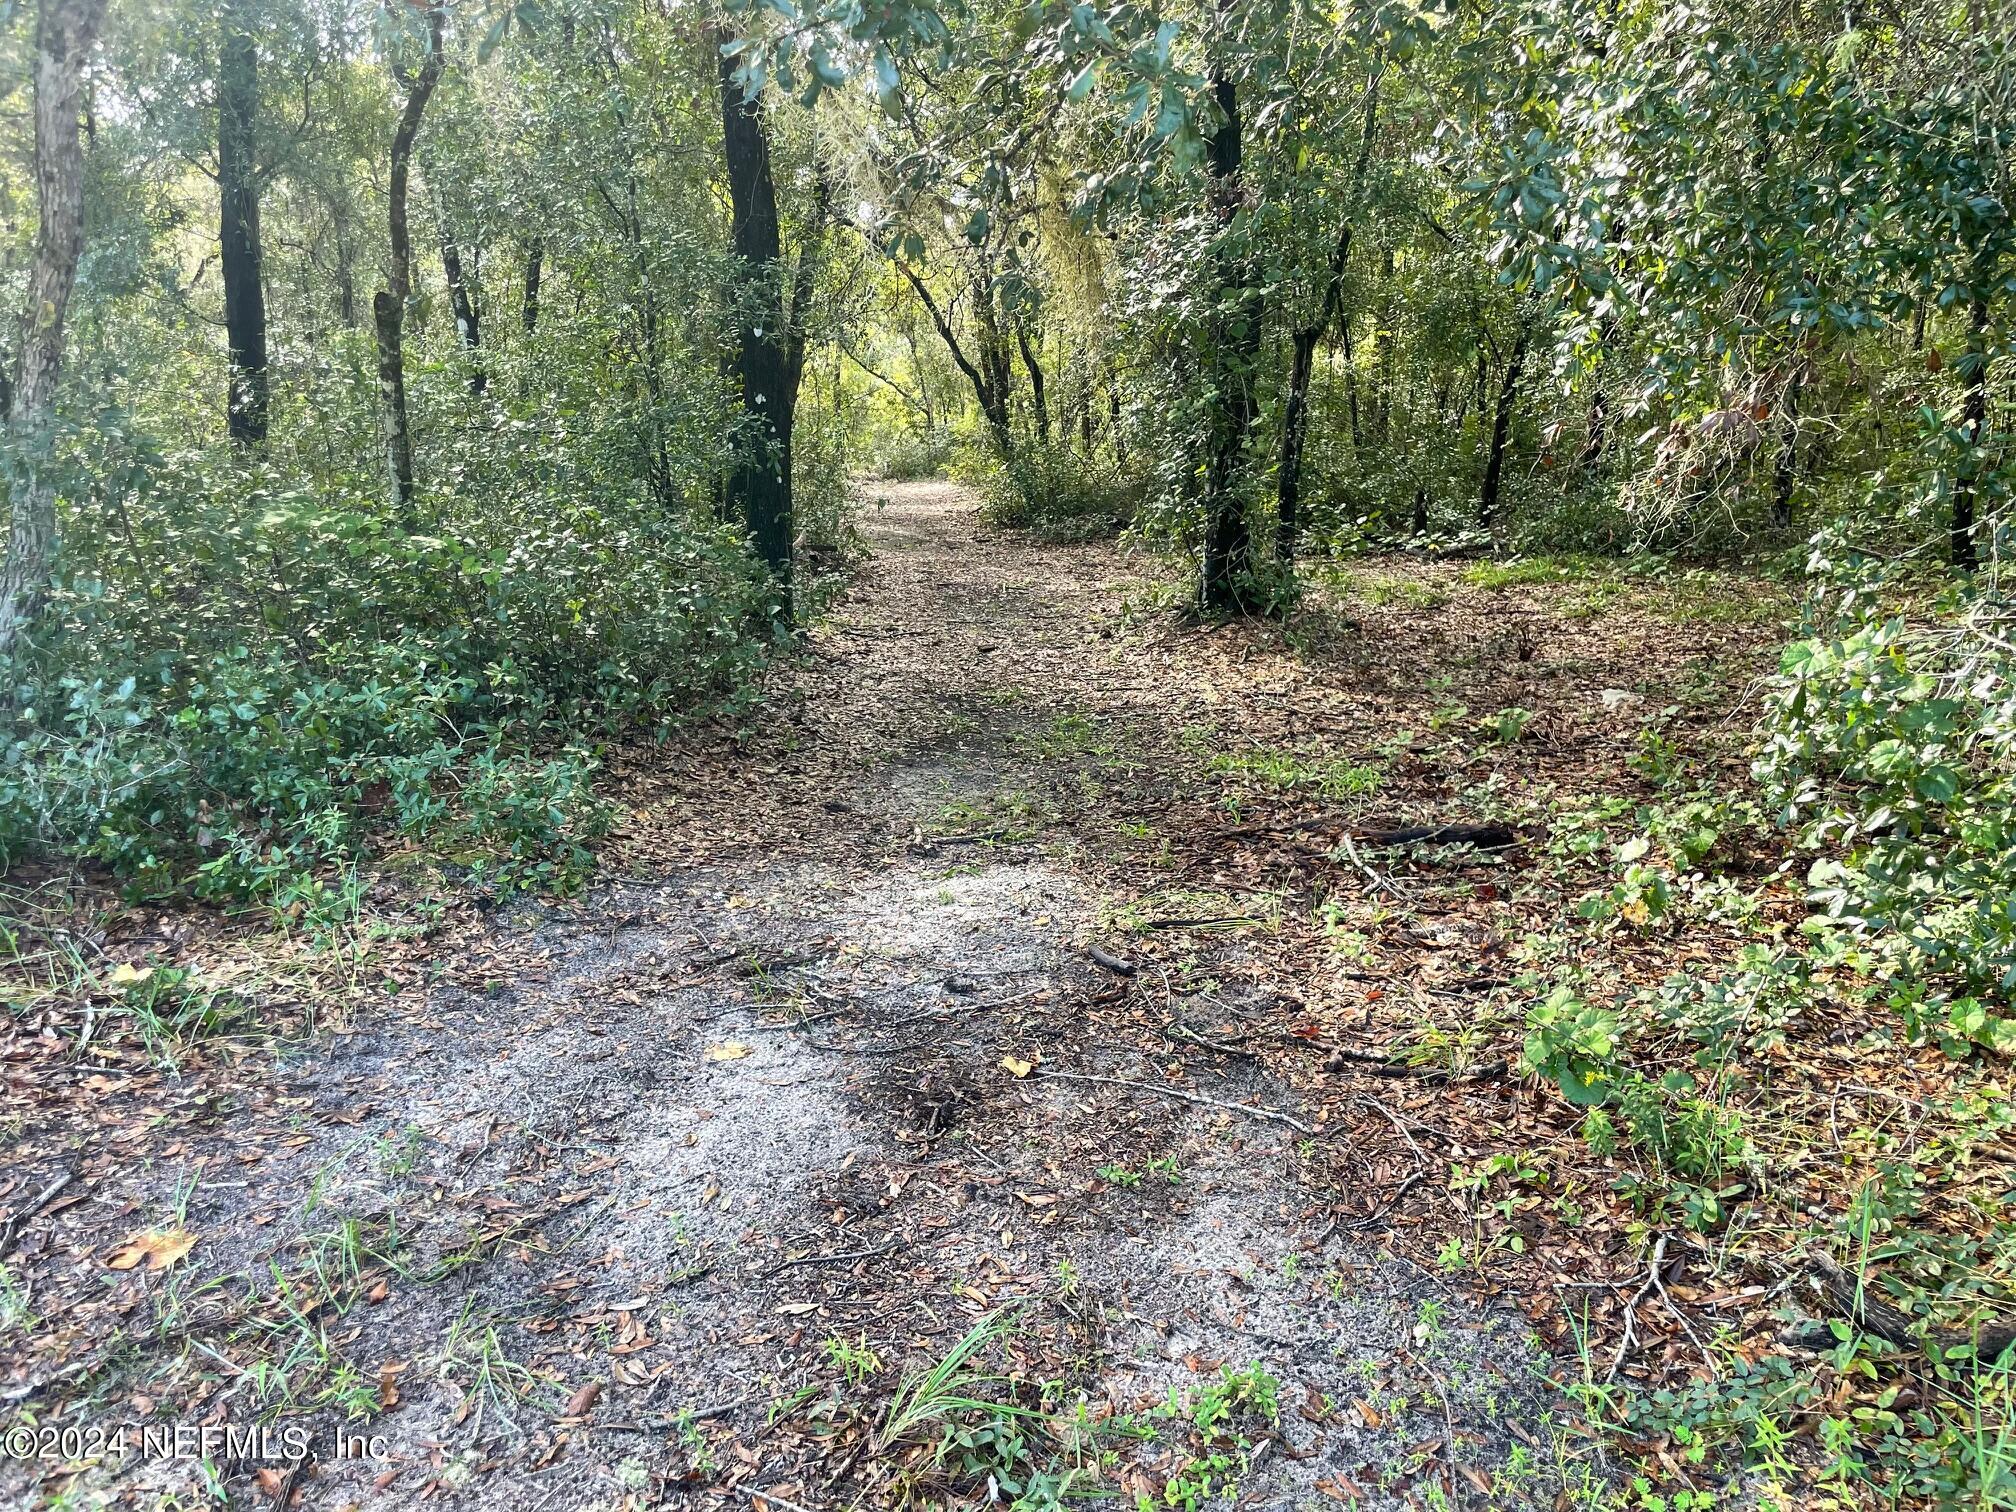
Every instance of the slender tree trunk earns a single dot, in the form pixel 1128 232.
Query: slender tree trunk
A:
pixel 1786 473
pixel 1294 430
pixel 535 266
pixel 1228 542
pixel 1598 429
pixel 1965 554
pixel 1501 425
pixel 1295 412
pixel 797 317
pixel 1037 402
pixel 759 489
pixel 388 305
pixel 64 31
pixel 345 254
pixel 241 255
pixel 993 403
pixel 1351 390
pixel 468 329
pixel 993 357
pixel 1115 427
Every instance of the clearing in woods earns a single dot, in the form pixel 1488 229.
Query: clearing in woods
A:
pixel 993 978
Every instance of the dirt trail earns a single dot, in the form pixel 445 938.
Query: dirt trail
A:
pixel 611 1191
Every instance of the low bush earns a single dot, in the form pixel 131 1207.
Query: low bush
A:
pixel 245 673
pixel 1057 494
pixel 1892 747
pixel 907 455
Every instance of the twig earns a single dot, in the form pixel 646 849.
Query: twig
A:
pixel 863 1254
pixel 1399 1192
pixel 1270 1115
pixel 1631 1309
pixel 771 1499
pixel 1184 1034
pixel 1378 882
pixel 18 1223
pixel 1392 1066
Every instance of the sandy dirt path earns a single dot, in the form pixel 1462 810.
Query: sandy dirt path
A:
pixel 654 1198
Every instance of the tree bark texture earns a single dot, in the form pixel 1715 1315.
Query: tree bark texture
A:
pixel 64 32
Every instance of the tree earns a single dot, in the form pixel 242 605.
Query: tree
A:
pixel 462 301
pixel 769 355
pixel 1303 343
pixel 64 32
pixel 241 256
pixel 388 305
pixel 1236 340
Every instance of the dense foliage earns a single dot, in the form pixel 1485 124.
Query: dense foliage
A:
pixel 255 656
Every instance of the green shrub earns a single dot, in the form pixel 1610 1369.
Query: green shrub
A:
pixel 1057 494
pixel 246 672
pixel 909 455
pixel 1892 746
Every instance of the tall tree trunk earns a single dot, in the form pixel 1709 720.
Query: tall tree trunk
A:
pixel 1294 431
pixel 388 305
pixel 1965 554
pixel 238 232
pixel 535 266
pixel 1228 542
pixel 1501 424
pixel 1295 412
pixel 759 489
pixel 64 31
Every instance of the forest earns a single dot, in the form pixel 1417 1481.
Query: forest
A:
pixel 822 754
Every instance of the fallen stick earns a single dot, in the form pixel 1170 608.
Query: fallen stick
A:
pixel 861 1254
pixel 1112 963
pixel 1873 1315
pixel 18 1223
pixel 1270 1115
pixel 1386 1065
pixel 1483 836
pixel 1631 1310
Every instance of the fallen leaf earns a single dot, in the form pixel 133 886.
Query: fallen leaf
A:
pixel 1367 1411
pixel 160 1248
pixel 388 1384
pixel 583 1401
